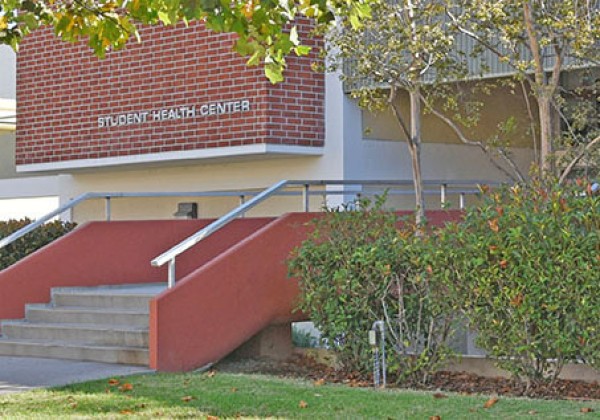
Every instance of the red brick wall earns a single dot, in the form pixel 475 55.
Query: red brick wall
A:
pixel 62 89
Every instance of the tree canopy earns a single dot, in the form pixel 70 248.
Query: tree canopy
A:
pixel 266 29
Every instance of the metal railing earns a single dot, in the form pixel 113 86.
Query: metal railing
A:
pixel 445 187
pixel 108 207
pixel 302 189
pixel 8 121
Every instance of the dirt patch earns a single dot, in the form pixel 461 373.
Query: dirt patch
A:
pixel 465 383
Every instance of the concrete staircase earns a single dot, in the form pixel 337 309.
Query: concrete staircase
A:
pixel 102 324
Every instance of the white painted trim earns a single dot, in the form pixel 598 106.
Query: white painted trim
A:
pixel 209 153
pixel 35 186
pixel 8 105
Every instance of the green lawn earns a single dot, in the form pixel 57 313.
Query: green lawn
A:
pixel 251 396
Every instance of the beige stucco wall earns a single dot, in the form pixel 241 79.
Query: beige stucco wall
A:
pixel 7 72
pixel 502 102
pixel 7 154
pixel 200 176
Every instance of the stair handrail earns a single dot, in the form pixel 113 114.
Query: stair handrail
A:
pixel 258 197
pixel 46 218
pixel 7 240
pixel 171 254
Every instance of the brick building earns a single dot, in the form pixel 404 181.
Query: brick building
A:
pixel 182 112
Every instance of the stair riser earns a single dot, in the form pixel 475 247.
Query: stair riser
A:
pixel 77 336
pixel 74 317
pixel 124 356
pixel 101 301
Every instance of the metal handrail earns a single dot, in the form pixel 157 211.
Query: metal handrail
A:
pixel 108 196
pixel 445 188
pixel 39 222
pixel 170 255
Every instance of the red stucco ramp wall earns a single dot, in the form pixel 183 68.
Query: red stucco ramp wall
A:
pixel 106 253
pixel 218 307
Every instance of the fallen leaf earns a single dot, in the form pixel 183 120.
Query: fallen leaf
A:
pixel 586 410
pixel 187 398
pixel 435 418
pixel 211 373
pixel 73 405
pixel 302 404
pixel 126 412
pixel 490 403
pixel 517 300
pixel 234 389
pixel 113 382
pixel 209 417
pixel 439 395
pixel 532 412
pixel 126 387
pixel 319 382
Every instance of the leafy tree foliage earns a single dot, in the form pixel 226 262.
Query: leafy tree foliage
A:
pixel 266 28
pixel 540 40
pixel 411 46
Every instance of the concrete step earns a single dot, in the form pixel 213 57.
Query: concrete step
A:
pixel 85 315
pixel 103 324
pixel 123 297
pixel 61 350
pixel 104 335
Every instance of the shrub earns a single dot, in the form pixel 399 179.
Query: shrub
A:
pixel 34 240
pixel 524 269
pixel 356 268
pixel 303 338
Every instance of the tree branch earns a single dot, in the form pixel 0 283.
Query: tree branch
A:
pixel 576 160
pixel 531 121
pixel 483 147
pixel 534 44
pixel 398 114
pixel 485 44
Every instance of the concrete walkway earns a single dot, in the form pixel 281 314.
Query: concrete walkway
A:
pixel 24 373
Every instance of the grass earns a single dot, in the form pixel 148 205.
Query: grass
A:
pixel 223 395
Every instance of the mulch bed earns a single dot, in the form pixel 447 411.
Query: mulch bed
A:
pixel 460 382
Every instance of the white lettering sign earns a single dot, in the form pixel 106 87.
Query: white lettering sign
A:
pixel 177 113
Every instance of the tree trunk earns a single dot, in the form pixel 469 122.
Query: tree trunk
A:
pixel 546 132
pixel 414 145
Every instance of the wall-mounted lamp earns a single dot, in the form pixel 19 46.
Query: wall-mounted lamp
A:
pixel 186 211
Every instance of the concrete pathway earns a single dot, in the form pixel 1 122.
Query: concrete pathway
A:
pixel 19 374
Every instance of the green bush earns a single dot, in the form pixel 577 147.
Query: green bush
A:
pixel 524 267
pixel 303 339
pixel 27 244
pixel 356 268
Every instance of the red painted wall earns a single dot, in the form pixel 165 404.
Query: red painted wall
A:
pixel 103 253
pixel 62 89
pixel 231 286
pixel 218 307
